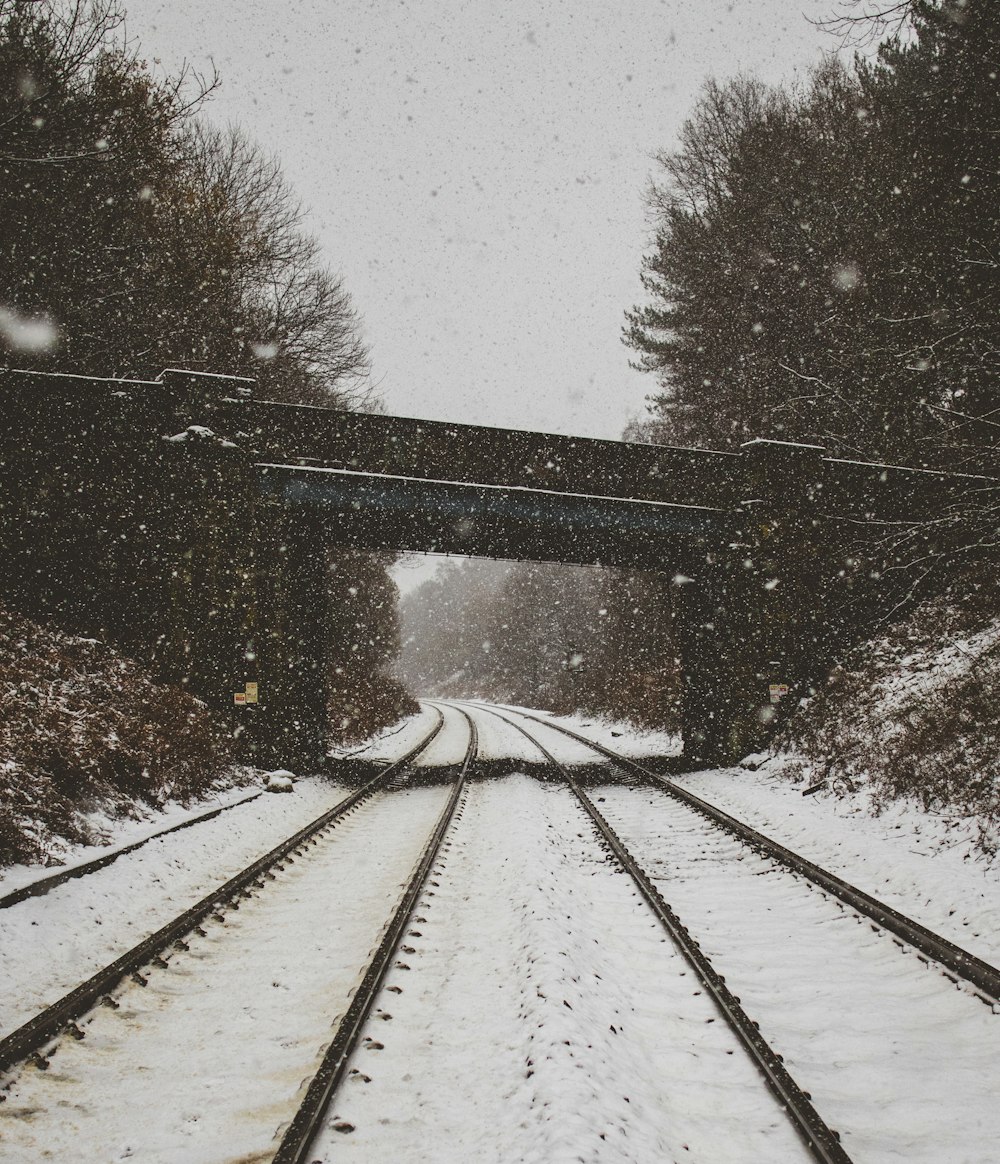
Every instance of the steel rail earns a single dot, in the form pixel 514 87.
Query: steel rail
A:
pixel 29 1038
pixel 52 881
pixel 308 1120
pixel 819 1138
pixel 957 963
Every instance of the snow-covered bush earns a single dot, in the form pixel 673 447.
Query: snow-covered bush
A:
pixel 84 728
pixel 915 714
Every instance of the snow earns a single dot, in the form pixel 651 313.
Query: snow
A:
pixel 394 741
pixel 499 741
pixel 276 783
pixel 27 333
pixel 124 833
pixel 52 943
pixel 451 743
pixel 907 858
pixel 220 1040
pixel 516 1033
pixel 920 864
pixel 533 983
pixel 624 738
pixel 896 1059
pixel 280 774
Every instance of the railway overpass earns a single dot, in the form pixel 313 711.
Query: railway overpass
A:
pixel 213 511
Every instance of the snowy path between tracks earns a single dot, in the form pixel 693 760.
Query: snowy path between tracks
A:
pixel 541 1015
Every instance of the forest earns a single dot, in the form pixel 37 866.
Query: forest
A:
pixel 138 237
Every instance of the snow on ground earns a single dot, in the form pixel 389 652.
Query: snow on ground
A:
pixel 451 743
pixel 542 1017
pixel 529 949
pixel 626 738
pixel 905 857
pixel 390 743
pixel 219 1041
pixel 124 832
pixel 52 943
pixel 499 741
pixel 900 1062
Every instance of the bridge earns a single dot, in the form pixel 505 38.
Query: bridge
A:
pixel 189 507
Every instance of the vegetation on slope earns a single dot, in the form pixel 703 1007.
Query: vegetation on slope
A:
pixel 84 730
pixel 825 270
pixel 913 715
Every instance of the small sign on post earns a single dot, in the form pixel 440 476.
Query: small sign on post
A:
pixel 776 691
pixel 249 694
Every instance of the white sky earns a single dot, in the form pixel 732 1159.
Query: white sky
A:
pixel 476 168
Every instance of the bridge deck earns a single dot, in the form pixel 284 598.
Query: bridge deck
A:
pixel 379 511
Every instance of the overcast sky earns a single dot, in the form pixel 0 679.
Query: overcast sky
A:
pixel 475 169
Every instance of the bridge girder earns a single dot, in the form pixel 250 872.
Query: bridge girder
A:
pixel 381 512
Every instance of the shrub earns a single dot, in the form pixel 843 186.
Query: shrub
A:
pixel 83 729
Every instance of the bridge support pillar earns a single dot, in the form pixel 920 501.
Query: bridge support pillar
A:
pixel 715 629
pixel 750 619
pixel 291 724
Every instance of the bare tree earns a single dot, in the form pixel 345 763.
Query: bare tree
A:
pixel 862 22
pixel 300 330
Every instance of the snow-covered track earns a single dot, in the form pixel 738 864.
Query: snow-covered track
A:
pixel 52 881
pixel 309 1119
pixel 819 1138
pixel 957 963
pixel 31 1037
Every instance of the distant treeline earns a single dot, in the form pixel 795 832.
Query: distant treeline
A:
pixel 561 637
pixel 136 237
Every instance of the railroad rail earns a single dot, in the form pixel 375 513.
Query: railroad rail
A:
pixel 308 1120
pixel 46 884
pixel 821 1140
pixel 958 964
pixel 31 1038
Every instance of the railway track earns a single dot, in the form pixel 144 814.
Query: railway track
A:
pixel 48 1046
pixel 821 1140
pixel 293 1062
pixel 42 885
pixel 956 963
pixel 896 1050
pixel 304 1127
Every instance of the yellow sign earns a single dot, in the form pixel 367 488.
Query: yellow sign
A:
pixel 776 691
pixel 251 693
